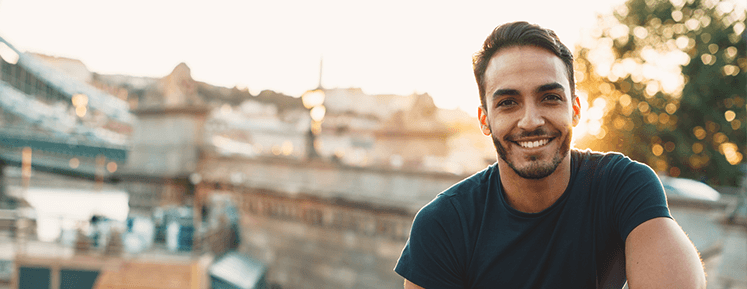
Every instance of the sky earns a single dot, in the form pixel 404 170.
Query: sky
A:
pixel 383 46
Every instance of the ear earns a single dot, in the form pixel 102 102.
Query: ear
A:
pixel 576 110
pixel 482 116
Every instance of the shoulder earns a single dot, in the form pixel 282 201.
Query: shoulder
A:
pixel 629 191
pixel 609 164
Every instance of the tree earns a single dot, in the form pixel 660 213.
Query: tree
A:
pixel 667 83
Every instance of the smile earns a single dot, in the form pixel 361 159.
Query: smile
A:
pixel 533 144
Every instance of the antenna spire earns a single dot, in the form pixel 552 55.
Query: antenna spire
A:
pixel 321 62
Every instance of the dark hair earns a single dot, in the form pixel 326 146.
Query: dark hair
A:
pixel 519 34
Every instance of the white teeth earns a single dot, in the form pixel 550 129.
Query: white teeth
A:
pixel 533 144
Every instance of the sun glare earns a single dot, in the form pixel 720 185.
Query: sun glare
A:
pixel 581 129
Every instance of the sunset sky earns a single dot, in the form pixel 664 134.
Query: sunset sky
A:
pixel 383 46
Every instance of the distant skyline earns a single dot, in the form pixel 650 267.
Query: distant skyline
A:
pixel 382 47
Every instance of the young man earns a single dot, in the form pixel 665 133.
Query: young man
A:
pixel 545 215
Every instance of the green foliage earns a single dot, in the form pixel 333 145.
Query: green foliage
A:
pixel 673 77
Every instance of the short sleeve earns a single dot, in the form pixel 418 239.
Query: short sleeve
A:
pixel 639 196
pixel 435 253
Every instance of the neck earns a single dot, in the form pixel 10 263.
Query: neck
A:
pixel 530 195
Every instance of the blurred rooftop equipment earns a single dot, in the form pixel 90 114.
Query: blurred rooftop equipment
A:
pixel 680 188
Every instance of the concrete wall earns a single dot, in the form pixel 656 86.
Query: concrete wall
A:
pixel 319 243
pixel 166 143
pixel 402 189
pixel 320 225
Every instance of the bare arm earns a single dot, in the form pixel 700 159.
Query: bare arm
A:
pixel 410 285
pixel 658 254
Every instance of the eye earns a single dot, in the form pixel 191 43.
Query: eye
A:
pixel 553 97
pixel 506 103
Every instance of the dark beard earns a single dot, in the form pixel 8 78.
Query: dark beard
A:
pixel 535 171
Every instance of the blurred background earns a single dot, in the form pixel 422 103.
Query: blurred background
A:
pixel 175 144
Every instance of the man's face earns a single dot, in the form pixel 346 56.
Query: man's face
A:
pixel 530 112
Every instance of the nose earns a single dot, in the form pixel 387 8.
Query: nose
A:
pixel 531 119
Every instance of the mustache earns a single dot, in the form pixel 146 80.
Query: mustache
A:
pixel 540 132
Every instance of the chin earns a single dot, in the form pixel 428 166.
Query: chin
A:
pixel 535 166
pixel 536 170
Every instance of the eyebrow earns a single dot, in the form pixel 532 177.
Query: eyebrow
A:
pixel 550 86
pixel 541 88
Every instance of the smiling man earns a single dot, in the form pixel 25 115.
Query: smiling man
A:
pixel 545 215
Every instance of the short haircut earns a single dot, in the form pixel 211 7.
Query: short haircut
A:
pixel 519 34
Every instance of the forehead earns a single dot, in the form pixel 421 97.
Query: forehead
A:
pixel 524 67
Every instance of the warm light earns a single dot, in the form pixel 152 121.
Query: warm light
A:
pixel 26 162
pixel 8 54
pixel 312 98
pixel 601 133
pixel 287 148
pixel 697 161
pixel 595 113
pixel 74 163
pixel 657 149
pixel 620 32
pixel 581 129
pixel 720 137
pixel 676 16
pixel 643 106
pixel 79 100
pixel 339 153
pixel 661 165
pixel 652 87
pixel 731 70
pixel 111 167
pixel 730 151
pixel 671 108
pixel 708 59
pixel 706 37
pixel 600 102
pixel 594 127
pixel 682 42
pixel 699 132
pixel 619 123
pixel 276 150
pixel 317 113
pixel 318 144
pixel 640 32
pixel 730 52
pixel 674 172
pixel 697 147
pixel 679 28
pixel 729 115
pixel 692 24
pixel 81 111
pixel 738 28
pixel 624 100
pixel 663 118
pixel 316 127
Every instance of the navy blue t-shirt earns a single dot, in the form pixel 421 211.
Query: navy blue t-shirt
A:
pixel 470 237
